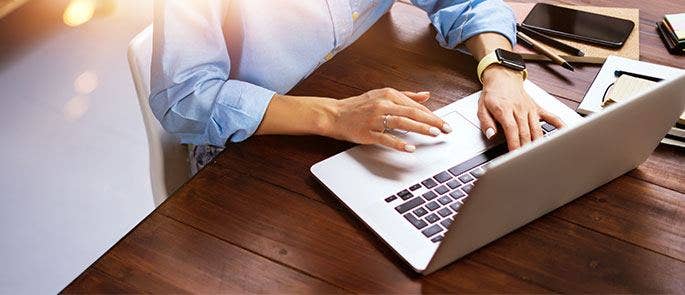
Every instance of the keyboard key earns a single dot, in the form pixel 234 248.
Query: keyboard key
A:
pixel 411 204
pixel 442 177
pixel 457 194
pixel 429 183
pixel 465 178
pixel 441 190
pixel 467 188
pixel 429 196
pixel 478 172
pixel 479 160
pixel 548 127
pixel 446 222
pixel 418 223
pixel 420 211
pixel 432 218
pixel 432 206
pixel 390 198
pixel 405 195
pixel 455 206
pixel 434 229
pixel 453 183
pixel 415 187
pixel 444 212
pixel 436 239
pixel 444 200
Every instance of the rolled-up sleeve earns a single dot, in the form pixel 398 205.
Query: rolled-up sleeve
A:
pixel 191 93
pixel 457 20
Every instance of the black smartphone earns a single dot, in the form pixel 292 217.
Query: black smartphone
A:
pixel 579 25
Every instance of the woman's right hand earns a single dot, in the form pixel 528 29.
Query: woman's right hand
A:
pixel 366 118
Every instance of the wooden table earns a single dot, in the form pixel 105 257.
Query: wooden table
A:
pixel 256 220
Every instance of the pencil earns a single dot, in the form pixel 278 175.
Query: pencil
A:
pixel 550 41
pixel 539 47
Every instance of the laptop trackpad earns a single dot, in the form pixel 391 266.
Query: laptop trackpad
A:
pixel 431 153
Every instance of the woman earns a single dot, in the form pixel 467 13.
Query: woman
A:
pixel 221 68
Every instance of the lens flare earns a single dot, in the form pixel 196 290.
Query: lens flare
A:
pixel 86 82
pixel 78 12
pixel 76 107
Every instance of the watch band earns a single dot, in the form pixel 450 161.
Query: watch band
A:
pixel 490 59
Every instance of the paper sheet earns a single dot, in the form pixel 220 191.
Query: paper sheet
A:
pixel 626 87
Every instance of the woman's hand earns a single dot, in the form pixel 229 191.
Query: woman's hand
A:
pixel 504 101
pixel 366 118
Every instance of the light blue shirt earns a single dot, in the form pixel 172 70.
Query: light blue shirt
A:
pixel 217 63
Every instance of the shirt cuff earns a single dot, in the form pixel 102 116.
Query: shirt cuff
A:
pixel 237 113
pixel 501 20
pixel 244 110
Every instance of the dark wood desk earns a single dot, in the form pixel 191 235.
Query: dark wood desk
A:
pixel 256 220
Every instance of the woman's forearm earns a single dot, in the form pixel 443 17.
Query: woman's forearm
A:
pixel 298 115
pixel 361 119
pixel 482 44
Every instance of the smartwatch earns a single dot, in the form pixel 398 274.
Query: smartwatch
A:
pixel 505 58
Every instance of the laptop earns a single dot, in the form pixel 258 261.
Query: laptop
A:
pixel 459 191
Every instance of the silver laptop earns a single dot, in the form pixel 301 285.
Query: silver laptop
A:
pixel 458 192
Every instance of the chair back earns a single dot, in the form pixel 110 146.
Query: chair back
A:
pixel 169 167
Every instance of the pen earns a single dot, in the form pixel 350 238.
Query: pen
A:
pixel 525 42
pixel 539 47
pixel 550 41
pixel 648 78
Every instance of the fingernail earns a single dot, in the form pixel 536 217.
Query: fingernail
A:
pixel 490 133
pixel 423 93
pixel 409 148
pixel 447 128
pixel 434 131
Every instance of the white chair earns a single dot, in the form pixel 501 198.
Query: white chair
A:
pixel 169 167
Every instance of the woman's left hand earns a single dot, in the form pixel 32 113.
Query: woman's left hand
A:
pixel 504 101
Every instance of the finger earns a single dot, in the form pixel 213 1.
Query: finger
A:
pixel 523 127
pixel 487 123
pixel 550 118
pixel 511 133
pixel 404 123
pixel 420 116
pixel 402 99
pixel 392 142
pixel 534 123
pixel 422 96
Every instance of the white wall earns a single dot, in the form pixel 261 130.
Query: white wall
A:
pixel 74 175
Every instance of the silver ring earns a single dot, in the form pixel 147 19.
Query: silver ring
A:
pixel 386 129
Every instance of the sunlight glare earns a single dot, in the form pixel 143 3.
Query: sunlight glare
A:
pixel 78 12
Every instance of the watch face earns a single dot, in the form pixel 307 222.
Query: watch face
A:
pixel 511 59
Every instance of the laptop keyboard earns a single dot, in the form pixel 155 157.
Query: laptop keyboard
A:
pixel 431 204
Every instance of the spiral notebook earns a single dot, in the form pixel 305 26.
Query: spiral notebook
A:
pixel 602 91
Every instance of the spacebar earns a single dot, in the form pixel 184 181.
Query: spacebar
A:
pixel 478 160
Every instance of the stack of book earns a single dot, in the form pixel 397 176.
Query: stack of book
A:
pixel 672 32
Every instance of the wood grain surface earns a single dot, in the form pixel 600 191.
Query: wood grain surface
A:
pixel 256 220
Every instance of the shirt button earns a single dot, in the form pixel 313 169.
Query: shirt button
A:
pixel 355 15
pixel 328 56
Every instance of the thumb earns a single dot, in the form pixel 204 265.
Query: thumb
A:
pixel 418 96
pixel 487 123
